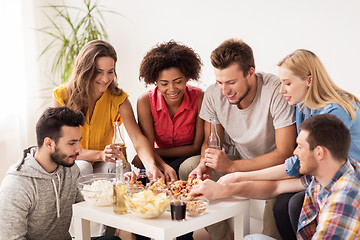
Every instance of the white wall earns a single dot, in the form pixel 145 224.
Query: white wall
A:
pixel 272 28
pixel 330 28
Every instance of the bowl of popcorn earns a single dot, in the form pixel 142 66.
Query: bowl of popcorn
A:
pixel 98 188
pixel 196 207
pixel 146 203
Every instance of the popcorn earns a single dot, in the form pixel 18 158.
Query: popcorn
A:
pixel 99 193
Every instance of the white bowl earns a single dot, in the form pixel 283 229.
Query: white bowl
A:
pixel 98 188
pixel 196 207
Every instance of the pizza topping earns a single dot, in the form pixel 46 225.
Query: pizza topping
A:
pixel 180 189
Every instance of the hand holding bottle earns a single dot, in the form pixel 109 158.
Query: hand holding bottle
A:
pixel 217 159
pixel 213 156
pixel 111 153
pixel 119 143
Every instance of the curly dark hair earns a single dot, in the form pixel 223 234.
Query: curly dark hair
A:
pixel 167 55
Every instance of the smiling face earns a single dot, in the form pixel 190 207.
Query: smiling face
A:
pixel 293 87
pixel 67 147
pixel 232 83
pixel 308 164
pixel 105 74
pixel 172 85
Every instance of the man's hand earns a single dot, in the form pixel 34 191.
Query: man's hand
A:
pixel 208 189
pixel 217 159
pixel 201 171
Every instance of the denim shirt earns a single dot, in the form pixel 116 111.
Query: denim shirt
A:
pixel 292 164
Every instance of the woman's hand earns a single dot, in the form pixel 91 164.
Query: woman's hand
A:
pixel 132 175
pixel 170 173
pixel 111 153
pixel 153 173
pixel 231 178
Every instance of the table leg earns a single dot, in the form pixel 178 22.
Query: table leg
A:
pixel 238 227
pixel 241 226
pixel 82 229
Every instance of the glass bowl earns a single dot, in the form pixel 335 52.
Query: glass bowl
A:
pixel 147 203
pixel 196 207
pixel 98 188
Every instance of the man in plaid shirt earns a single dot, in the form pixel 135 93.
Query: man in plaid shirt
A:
pixel 331 207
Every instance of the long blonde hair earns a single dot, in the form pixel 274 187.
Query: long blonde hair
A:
pixel 322 90
pixel 80 85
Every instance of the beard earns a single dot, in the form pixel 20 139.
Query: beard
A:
pixel 245 94
pixel 59 158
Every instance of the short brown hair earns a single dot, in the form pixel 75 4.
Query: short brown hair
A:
pixel 53 119
pixel 167 55
pixel 233 51
pixel 330 132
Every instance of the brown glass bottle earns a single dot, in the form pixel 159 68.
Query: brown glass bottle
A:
pixel 118 141
pixel 213 140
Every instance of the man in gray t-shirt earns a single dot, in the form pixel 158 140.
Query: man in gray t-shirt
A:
pixel 250 113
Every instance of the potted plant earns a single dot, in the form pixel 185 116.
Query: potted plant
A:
pixel 69 34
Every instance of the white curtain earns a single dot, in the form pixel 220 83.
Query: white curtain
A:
pixel 19 101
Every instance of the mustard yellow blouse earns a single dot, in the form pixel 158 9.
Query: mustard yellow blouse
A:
pixel 99 132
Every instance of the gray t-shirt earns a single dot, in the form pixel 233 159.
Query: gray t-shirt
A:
pixel 252 130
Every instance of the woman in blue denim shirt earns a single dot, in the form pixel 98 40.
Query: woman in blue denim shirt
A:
pixel 306 84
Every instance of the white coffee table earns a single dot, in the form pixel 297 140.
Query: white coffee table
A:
pixel 162 228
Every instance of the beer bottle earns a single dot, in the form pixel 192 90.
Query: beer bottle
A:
pixel 118 142
pixel 213 140
pixel 119 206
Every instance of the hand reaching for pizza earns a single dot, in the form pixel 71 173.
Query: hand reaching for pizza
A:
pixel 208 189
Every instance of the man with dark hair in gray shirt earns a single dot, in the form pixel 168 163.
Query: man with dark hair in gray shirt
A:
pixel 37 193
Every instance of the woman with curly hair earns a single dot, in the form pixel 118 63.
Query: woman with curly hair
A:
pixel 93 89
pixel 168 115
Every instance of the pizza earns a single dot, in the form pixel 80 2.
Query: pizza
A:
pixel 159 184
pixel 134 185
pixel 180 189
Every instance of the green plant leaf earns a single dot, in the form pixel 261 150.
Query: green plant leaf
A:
pixel 88 24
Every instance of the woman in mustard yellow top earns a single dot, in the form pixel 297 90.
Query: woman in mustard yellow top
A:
pixel 93 90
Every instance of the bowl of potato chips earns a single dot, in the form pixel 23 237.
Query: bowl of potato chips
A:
pixel 146 203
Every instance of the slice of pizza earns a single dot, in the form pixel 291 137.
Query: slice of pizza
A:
pixel 190 184
pixel 134 185
pixel 159 184
pixel 176 188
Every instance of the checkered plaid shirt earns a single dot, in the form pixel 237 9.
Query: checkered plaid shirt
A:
pixel 333 211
